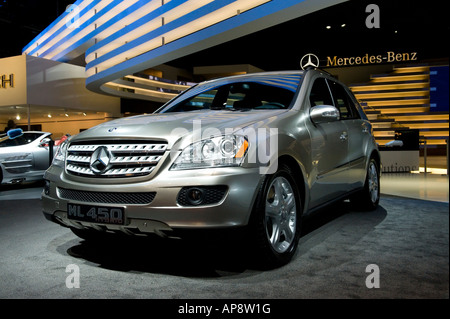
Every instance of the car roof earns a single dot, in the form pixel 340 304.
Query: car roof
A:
pixel 258 74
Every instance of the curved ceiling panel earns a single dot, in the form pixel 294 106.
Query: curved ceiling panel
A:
pixel 120 38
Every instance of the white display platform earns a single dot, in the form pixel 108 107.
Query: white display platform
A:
pixel 399 161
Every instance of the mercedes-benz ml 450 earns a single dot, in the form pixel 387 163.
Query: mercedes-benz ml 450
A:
pixel 256 152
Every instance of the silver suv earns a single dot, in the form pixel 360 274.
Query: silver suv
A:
pixel 256 152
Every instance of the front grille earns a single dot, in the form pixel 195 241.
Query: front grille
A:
pixel 107 197
pixel 124 159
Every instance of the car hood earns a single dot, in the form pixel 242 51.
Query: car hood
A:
pixel 173 127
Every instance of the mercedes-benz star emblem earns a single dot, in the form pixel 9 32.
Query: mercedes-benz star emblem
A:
pixel 100 160
pixel 309 60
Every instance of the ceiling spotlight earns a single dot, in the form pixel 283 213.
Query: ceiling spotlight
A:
pixel 328 27
pixel 49 115
pixel 342 25
pixel 18 117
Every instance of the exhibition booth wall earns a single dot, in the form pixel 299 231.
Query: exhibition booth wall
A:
pixel 123 46
pixel 41 94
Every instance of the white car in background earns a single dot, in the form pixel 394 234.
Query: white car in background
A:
pixel 25 158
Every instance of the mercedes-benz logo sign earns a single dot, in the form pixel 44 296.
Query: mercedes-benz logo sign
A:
pixel 100 160
pixel 309 60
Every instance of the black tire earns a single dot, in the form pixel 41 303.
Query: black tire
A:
pixel 277 207
pixel 368 198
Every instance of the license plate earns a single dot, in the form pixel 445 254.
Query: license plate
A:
pixel 96 214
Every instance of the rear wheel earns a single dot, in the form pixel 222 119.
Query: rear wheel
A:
pixel 276 220
pixel 369 197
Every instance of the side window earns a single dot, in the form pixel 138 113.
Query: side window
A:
pixel 343 101
pixel 21 140
pixel 320 93
pixel 354 104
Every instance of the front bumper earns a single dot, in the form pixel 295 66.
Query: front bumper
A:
pixel 164 213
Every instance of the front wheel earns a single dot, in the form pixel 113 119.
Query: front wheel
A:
pixel 276 219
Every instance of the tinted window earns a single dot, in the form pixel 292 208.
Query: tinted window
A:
pixel 342 101
pixel 354 104
pixel 320 93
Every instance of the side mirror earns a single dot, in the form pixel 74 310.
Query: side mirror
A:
pixel 44 142
pixel 324 114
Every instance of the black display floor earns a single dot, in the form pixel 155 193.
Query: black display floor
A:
pixel 404 244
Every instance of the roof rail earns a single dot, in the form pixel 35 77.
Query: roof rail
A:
pixel 308 68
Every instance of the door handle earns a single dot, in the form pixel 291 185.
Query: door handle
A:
pixel 343 136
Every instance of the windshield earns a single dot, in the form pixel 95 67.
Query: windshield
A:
pixel 246 93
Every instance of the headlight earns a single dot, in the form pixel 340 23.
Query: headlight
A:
pixel 60 156
pixel 222 151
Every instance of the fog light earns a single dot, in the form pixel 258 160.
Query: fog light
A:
pixel 195 196
pixel 201 195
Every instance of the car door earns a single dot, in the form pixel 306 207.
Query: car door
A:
pixel 16 158
pixel 358 131
pixel 41 154
pixel 328 150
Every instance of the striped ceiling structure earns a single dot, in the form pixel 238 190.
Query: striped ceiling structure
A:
pixel 120 38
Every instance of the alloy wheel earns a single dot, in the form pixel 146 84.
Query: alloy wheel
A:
pixel 280 214
pixel 373 183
